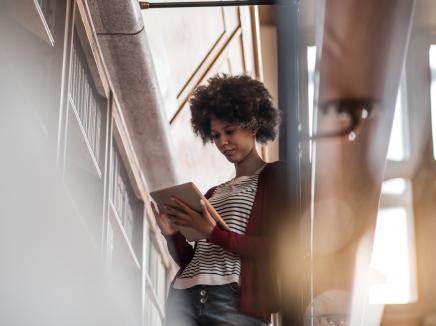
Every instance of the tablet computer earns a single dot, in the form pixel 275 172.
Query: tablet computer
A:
pixel 189 194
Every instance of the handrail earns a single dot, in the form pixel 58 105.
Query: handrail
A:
pixel 151 5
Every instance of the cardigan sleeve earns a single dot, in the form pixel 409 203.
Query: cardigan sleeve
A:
pixel 242 245
pixel 251 246
pixel 181 251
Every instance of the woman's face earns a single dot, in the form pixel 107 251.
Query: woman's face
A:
pixel 232 140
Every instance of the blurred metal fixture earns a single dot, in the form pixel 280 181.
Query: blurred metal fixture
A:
pixel 151 5
pixel 357 110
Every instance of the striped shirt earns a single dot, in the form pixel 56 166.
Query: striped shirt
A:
pixel 211 264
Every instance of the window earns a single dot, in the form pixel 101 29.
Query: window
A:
pixel 156 285
pixel 82 141
pixel 37 16
pixel 87 104
pixel 47 9
pixel 128 208
pixel 393 257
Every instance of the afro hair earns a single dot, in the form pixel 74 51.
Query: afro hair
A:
pixel 234 99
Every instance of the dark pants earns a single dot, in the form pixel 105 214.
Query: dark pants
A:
pixel 208 305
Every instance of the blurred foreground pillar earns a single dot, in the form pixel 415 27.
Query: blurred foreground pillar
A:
pixel 362 46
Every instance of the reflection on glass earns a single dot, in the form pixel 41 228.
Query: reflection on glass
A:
pixel 397 150
pixel 432 56
pixel 395 186
pixel 393 258
pixel 311 57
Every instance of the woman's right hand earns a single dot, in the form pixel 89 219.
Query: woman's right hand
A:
pixel 163 221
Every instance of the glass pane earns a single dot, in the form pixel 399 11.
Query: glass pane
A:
pixel 432 56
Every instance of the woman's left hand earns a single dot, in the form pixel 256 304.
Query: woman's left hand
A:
pixel 185 216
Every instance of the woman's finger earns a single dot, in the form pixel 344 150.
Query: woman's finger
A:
pixel 183 205
pixel 204 209
pixel 171 215
pixel 181 221
pixel 168 210
pixel 185 218
pixel 207 213
pixel 209 208
pixel 177 213
pixel 173 210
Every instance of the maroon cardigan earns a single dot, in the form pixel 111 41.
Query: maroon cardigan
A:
pixel 259 289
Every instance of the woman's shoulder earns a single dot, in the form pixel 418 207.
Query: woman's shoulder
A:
pixel 278 163
pixel 279 166
pixel 275 173
pixel 210 192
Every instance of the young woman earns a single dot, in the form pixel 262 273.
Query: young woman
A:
pixel 227 279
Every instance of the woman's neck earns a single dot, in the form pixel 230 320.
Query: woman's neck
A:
pixel 251 163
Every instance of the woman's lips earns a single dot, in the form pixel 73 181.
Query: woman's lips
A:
pixel 229 152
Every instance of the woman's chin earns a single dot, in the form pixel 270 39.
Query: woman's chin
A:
pixel 231 158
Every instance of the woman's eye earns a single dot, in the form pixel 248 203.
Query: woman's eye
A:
pixel 215 136
pixel 230 132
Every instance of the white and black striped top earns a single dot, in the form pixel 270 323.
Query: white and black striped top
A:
pixel 211 264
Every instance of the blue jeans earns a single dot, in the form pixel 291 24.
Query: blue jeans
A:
pixel 208 305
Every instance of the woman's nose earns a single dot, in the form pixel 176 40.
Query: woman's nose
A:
pixel 224 140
